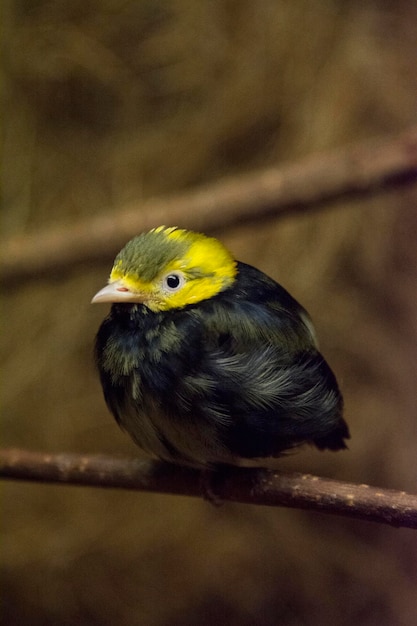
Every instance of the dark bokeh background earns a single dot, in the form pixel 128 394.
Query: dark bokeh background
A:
pixel 111 102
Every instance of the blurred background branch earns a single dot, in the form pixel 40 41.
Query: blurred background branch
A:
pixel 356 171
pixel 244 485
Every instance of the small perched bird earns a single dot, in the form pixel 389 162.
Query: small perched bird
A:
pixel 205 360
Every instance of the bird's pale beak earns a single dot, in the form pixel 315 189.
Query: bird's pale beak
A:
pixel 117 292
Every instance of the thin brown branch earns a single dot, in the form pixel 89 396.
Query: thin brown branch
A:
pixel 356 171
pixel 250 486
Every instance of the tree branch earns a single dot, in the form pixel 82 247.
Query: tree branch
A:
pixel 352 172
pixel 250 486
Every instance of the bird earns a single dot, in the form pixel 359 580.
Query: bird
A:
pixel 206 361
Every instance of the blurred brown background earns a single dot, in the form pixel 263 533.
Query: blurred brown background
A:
pixel 110 102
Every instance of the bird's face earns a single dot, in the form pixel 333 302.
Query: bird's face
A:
pixel 169 268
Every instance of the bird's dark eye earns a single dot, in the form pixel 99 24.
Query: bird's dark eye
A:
pixel 174 281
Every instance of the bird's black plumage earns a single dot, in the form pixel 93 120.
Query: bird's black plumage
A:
pixel 237 375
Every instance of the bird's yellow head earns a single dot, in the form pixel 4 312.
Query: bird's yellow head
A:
pixel 169 268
